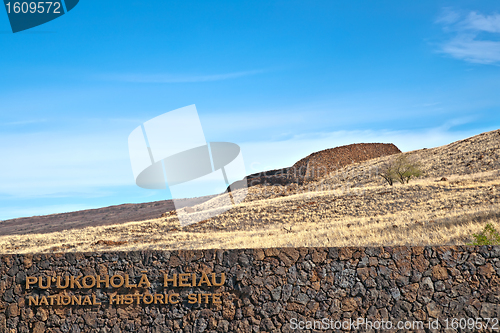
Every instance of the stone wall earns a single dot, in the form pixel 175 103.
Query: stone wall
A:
pixel 265 290
pixel 320 164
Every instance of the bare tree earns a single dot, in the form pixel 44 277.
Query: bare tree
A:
pixel 388 173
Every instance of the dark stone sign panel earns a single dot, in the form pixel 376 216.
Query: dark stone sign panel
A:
pixel 385 289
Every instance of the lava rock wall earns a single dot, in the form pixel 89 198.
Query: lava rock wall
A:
pixel 264 290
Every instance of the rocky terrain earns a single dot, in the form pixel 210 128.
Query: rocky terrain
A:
pixel 351 206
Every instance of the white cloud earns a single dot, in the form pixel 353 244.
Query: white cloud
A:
pixel 176 78
pixel 475 21
pixel 469 42
pixel 469 49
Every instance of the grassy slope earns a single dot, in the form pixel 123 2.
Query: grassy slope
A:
pixel 352 207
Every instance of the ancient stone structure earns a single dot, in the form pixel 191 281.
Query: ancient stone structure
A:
pixel 320 164
pixel 254 290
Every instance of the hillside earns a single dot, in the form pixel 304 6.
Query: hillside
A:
pixel 351 206
pixel 92 217
pixel 340 156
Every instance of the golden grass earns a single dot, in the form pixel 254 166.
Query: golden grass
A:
pixel 436 220
pixel 352 207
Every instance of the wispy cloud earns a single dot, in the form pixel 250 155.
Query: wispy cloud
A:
pixel 448 16
pixel 15 212
pixel 23 122
pixel 56 164
pixel 176 78
pixel 475 36
pixel 475 21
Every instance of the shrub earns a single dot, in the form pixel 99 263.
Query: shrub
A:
pixel 405 169
pixel 489 236
pixel 400 169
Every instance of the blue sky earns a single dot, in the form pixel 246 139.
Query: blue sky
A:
pixel 280 78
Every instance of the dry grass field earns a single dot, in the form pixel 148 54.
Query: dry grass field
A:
pixel 457 195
